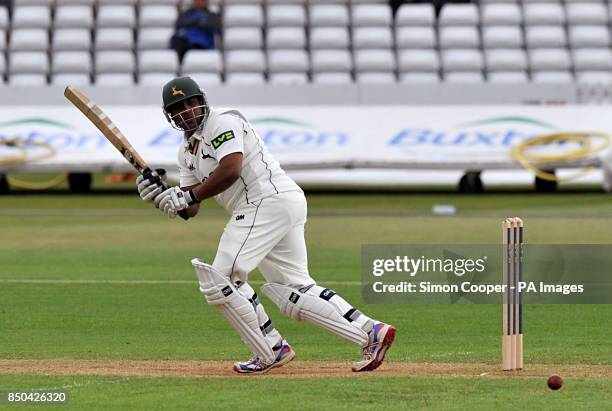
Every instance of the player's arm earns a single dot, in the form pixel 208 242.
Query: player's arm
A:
pixel 228 148
pixel 226 174
pixel 186 200
pixel 193 209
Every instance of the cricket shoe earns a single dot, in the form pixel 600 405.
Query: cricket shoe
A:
pixel 380 339
pixel 255 365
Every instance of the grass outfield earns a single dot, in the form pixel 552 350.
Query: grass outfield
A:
pixel 107 278
pixel 358 393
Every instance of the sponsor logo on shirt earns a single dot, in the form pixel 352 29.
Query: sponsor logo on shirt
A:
pixel 222 138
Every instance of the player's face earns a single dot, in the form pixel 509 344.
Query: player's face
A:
pixel 187 114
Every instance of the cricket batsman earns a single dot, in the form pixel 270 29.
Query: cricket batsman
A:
pixel 223 157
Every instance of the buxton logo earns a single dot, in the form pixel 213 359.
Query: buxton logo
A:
pixel 222 138
pixel 494 132
pixel 33 132
pixel 279 134
pixel 176 92
pixel 36 121
pixel 285 134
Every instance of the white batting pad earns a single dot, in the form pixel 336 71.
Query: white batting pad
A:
pixel 306 304
pixel 265 324
pixel 237 309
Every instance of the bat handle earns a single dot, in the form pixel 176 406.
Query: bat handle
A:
pixel 147 174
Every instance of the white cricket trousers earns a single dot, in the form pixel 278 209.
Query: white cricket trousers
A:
pixel 269 235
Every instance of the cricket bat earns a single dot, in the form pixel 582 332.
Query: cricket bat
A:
pixel 106 127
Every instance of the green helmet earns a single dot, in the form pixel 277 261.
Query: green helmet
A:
pixel 179 89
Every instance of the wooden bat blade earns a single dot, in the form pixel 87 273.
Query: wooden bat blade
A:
pixel 106 126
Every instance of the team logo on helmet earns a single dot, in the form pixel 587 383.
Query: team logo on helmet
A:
pixel 176 92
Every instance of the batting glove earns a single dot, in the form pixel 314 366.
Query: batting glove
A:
pixel 174 200
pixel 151 183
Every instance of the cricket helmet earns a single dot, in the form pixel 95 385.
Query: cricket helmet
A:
pixel 178 90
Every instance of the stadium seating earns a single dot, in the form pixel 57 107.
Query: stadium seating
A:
pixel 115 62
pixel 72 39
pixel 31 17
pixel 371 15
pixel 332 78
pixel 247 64
pixel 78 16
pixel 64 79
pixel 237 38
pixel 158 61
pixel 329 38
pixel 288 61
pixel 29 40
pixel 243 15
pixel 4 18
pixel 501 14
pixel 459 15
pixel 157 16
pixel 114 39
pixel 319 41
pixel 2 65
pixel 28 62
pixel 285 15
pixel 116 16
pixel 286 38
pixel 326 15
pixel 415 37
pixel 154 38
pixel 419 78
pixel 65 62
pixel 502 37
pixel 203 61
pixel 414 15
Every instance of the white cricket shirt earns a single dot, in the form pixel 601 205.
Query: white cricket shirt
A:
pixel 227 131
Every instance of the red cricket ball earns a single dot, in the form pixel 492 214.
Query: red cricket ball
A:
pixel 555 382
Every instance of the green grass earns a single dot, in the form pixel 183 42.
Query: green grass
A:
pixel 172 321
pixel 574 202
pixel 362 393
pixel 86 245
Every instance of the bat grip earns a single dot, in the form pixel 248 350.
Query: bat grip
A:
pixel 146 173
pixel 183 214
